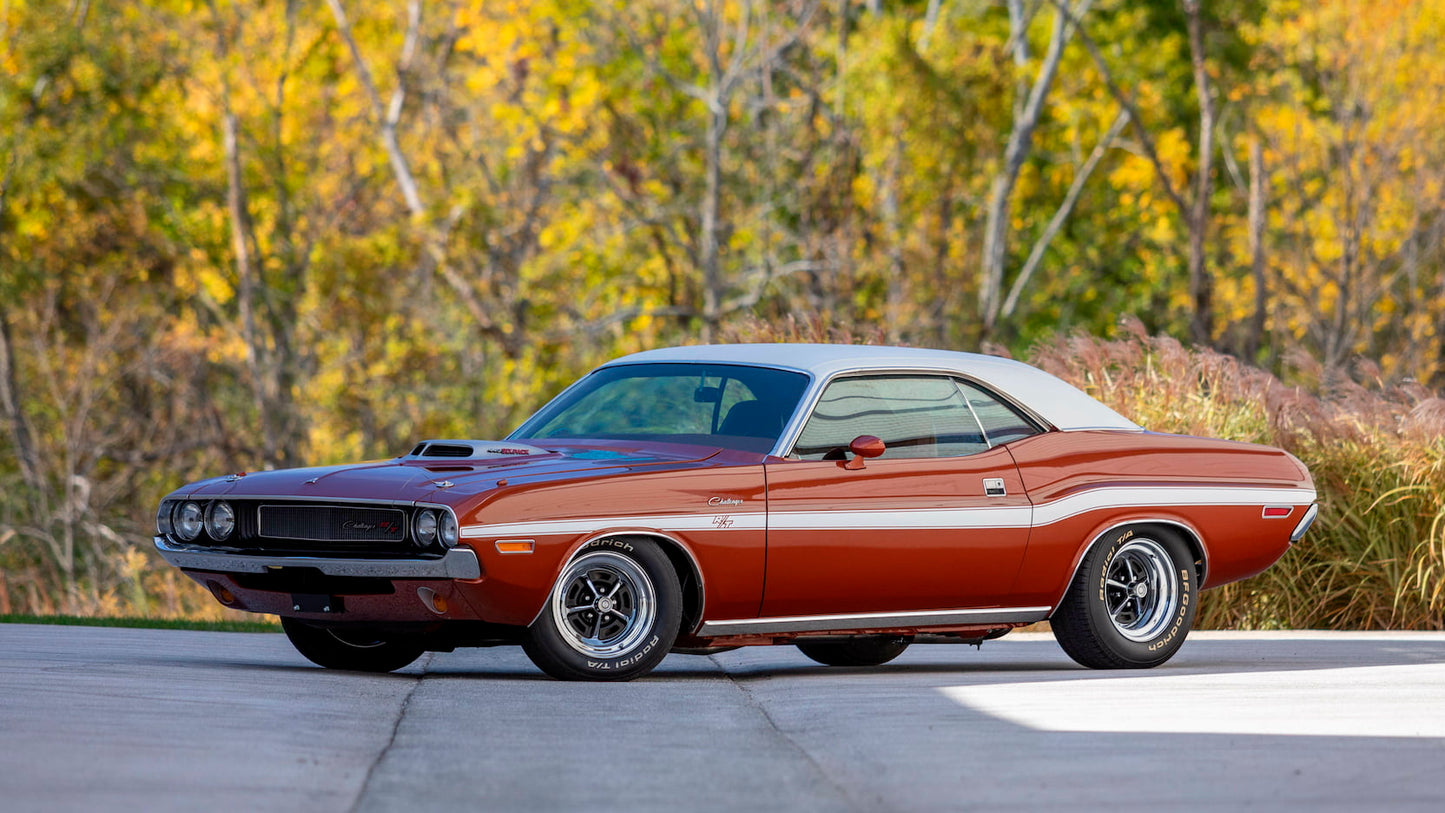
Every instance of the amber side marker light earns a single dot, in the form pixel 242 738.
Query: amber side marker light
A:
pixel 433 601
pixel 515 545
pixel 222 594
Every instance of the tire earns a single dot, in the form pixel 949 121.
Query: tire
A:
pixel 354 650
pixel 1132 602
pixel 612 614
pixel 860 650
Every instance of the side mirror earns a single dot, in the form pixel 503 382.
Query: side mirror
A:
pixel 861 447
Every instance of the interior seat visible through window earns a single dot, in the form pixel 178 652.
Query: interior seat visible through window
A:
pixel 752 419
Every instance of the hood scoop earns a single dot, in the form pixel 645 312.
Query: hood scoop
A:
pixel 471 450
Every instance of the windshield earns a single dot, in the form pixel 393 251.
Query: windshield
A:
pixel 732 406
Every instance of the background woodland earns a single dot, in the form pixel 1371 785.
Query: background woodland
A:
pixel 238 234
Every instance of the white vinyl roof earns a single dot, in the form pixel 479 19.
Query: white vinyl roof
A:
pixel 1059 403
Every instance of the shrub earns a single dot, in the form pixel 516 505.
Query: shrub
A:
pixel 1375 559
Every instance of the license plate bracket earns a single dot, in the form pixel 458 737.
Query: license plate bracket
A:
pixel 317 603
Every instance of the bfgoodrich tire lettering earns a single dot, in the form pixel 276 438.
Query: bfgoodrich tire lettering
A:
pixel 1132 602
pixel 612 614
pixel 354 649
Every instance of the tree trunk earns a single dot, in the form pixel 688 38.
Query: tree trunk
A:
pixel 1254 340
pixel 710 244
pixel 1020 144
pixel 1201 283
pixel 12 405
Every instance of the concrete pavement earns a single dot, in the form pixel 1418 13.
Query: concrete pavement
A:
pixel 168 720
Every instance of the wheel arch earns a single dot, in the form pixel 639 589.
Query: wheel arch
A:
pixel 1186 532
pixel 679 555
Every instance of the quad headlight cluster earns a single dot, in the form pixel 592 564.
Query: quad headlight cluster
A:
pixel 186 520
pixel 432 525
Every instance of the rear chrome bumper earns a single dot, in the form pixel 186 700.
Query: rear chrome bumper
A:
pixel 457 563
pixel 1305 522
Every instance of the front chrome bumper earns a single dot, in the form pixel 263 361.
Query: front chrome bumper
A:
pixel 457 563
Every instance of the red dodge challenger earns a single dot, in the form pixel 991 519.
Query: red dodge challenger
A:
pixel 848 500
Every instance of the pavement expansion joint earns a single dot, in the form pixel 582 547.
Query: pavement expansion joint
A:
pixel 762 710
pixel 391 740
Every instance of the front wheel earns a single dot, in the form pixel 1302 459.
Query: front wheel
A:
pixel 356 650
pixel 860 650
pixel 1132 602
pixel 612 614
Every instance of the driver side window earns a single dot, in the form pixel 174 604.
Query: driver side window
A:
pixel 916 416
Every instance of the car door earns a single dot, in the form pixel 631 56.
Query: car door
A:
pixel 939 521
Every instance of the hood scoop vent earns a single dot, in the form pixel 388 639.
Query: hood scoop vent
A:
pixel 471 450
pixel 446 450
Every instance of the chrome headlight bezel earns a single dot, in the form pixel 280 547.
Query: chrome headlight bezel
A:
pixel 424 527
pixel 220 520
pixel 449 533
pixel 188 520
pixel 164 526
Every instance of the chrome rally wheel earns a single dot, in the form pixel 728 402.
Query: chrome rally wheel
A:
pixel 1132 601
pixel 1141 592
pixel 612 614
pixel 604 604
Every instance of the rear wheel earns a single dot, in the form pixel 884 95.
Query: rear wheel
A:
pixel 860 650
pixel 1131 603
pixel 612 614
pixel 354 649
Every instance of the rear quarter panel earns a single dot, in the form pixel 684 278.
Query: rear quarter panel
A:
pixel 1084 483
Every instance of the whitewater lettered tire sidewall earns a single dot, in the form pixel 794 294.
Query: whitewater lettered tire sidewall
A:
pixel 1132 602
pixel 613 613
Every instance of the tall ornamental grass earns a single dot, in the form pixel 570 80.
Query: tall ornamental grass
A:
pixel 1375 558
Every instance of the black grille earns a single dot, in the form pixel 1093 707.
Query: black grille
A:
pixel 320 529
pixel 332 523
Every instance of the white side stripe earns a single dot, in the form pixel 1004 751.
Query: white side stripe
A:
pixel 755 521
pixel 992 516
pixel 1000 516
pixel 1157 496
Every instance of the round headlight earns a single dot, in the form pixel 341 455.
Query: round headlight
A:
pixel 424 527
pixel 163 517
pixel 448 531
pixel 188 520
pixel 220 520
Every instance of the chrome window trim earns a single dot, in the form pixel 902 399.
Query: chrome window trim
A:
pixel 794 429
pixel 958 385
pixel 457 563
pixel 1008 402
pixel 1072 408
pixel 814 391
pixel 841 622
pixel 808 388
